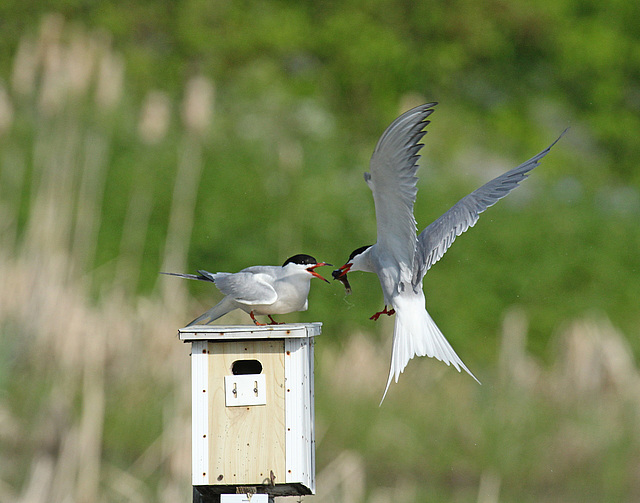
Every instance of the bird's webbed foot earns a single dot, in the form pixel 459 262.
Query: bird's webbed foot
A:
pixel 274 322
pixel 384 311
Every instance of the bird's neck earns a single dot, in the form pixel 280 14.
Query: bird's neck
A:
pixel 295 276
pixel 364 262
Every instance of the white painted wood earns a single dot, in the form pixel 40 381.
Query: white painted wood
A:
pixel 242 390
pixel 300 440
pixel 200 412
pixel 244 498
pixel 226 332
pixel 312 418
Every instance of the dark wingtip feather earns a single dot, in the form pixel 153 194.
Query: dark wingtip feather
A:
pixel 199 277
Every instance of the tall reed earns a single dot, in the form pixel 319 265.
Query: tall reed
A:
pixel 79 353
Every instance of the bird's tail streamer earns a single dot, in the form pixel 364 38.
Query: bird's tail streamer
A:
pixel 416 334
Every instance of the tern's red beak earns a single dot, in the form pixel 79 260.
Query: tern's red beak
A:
pixel 314 273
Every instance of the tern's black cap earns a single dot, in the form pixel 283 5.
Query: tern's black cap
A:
pixel 358 251
pixel 301 259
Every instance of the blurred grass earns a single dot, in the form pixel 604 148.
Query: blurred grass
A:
pixel 104 182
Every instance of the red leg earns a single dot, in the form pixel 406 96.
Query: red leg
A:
pixel 384 311
pixel 256 322
pixel 274 322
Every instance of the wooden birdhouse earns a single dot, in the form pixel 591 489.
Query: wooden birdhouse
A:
pixel 252 408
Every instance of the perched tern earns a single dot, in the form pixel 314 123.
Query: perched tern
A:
pixel 401 258
pixel 261 289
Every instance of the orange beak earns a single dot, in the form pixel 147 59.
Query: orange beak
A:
pixel 314 273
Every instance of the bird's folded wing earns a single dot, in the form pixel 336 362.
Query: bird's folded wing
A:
pixel 392 180
pixel 247 288
pixel 436 239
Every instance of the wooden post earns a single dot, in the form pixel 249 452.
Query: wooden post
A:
pixel 252 411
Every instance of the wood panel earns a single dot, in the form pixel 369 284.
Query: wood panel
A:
pixel 247 443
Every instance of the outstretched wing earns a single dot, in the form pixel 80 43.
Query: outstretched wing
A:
pixel 436 239
pixel 392 180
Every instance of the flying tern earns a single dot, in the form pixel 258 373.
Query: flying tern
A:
pixel 261 289
pixel 401 258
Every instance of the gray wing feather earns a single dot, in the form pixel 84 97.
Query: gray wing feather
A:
pixel 250 286
pixel 392 180
pixel 436 239
pixel 247 288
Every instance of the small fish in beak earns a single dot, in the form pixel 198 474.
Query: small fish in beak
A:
pixel 341 275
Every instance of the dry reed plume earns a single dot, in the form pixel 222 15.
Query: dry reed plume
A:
pixel 79 347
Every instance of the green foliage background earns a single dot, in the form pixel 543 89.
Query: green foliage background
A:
pixel 327 77
pixel 302 92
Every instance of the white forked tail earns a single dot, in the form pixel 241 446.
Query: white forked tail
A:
pixel 415 333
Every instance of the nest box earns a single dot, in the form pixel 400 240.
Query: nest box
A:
pixel 252 408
